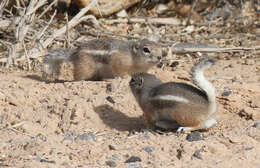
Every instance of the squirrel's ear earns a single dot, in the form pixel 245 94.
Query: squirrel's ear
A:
pixel 136 46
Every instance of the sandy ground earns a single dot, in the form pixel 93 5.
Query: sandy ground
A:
pixel 86 124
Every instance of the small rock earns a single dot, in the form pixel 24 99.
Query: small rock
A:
pixel 111 163
pixel 226 93
pixel 113 157
pixel 189 29
pixel 110 88
pixel 40 159
pixel 174 64
pixel 133 159
pixel 111 147
pixel 194 136
pixel 43 101
pixel 68 138
pixel 122 14
pixel 133 166
pixel 161 8
pixel 87 136
pixel 149 149
pixel 197 154
pixel 249 148
pixel 110 99
pixel 257 124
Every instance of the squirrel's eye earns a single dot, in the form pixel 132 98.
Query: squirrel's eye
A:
pixel 146 50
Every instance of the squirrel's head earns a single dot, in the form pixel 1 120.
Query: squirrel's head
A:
pixel 148 52
pixel 141 81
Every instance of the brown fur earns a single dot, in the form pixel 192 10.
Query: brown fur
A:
pixel 107 58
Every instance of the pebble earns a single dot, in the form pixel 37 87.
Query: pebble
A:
pixel 44 100
pixel 111 163
pixel 174 64
pixel 257 124
pixel 87 136
pixel 114 157
pixel 133 159
pixel 197 154
pixel 111 147
pixel 249 148
pixel 110 87
pixel 194 136
pixel 149 149
pixel 122 14
pixel 68 138
pixel 226 93
pixel 40 159
pixel 133 166
pixel 161 8
pixel 110 99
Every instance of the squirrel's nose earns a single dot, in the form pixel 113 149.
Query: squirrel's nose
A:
pixel 159 58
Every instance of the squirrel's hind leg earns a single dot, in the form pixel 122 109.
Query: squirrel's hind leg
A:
pixel 205 125
pixel 165 124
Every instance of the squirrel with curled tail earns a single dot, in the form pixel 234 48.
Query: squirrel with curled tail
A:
pixel 171 105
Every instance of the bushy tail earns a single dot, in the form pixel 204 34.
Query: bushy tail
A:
pixel 52 60
pixel 200 80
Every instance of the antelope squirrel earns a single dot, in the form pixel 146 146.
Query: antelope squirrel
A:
pixel 172 104
pixel 103 58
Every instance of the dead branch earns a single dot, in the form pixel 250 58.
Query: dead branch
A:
pixel 23 26
pixel 194 3
pixel 72 23
pixel 22 30
pixel 180 49
pixel 11 53
pixel 165 21
pixel 47 9
pixel 39 35
pixel 2 6
pixel 108 7
pixel 26 56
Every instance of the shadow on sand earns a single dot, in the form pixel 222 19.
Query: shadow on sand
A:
pixel 118 120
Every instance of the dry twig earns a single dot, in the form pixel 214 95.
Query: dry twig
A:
pixel 166 21
pixel 73 22
pixel 209 49
pixel 2 6
pixel 23 27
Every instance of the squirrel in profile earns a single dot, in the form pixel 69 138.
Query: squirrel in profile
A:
pixel 171 105
pixel 103 58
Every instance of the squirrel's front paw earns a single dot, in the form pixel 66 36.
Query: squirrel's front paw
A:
pixel 184 129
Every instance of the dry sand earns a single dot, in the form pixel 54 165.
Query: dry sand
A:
pixel 84 124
